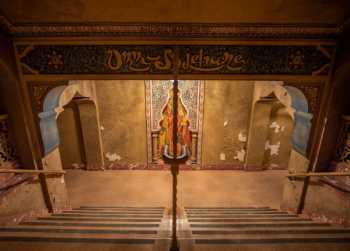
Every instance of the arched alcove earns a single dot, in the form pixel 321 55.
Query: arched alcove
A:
pixel 268 96
pixel 81 94
pixel 71 144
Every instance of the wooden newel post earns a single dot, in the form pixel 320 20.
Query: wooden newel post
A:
pixel 174 161
pixel 174 168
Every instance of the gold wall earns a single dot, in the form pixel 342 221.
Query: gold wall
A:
pixel 227 106
pixel 123 120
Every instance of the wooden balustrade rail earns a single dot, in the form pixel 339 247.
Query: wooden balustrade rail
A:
pixel 28 171
pixel 319 174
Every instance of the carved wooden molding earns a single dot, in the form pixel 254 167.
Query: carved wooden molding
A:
pixel 176 30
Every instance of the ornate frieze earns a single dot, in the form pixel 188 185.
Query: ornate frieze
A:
pixel 7 151
pixel 343 147
pixel 175 59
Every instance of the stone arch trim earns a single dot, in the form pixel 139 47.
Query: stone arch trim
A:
pixel 53 103
pixel 297 106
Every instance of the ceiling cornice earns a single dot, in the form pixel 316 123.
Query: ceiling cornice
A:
pixel 175 30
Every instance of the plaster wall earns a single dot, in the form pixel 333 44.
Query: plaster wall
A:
pixel 56 184
pixel 258 134
pixel 280 132
pixel 26 198
pixel 90 131
pixel 122 121
pixel 227 106
pixel 322 201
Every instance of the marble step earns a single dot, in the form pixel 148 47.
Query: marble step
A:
pixel 274 219
pixel 89 224
pixel 75 230
pixel 230 211
pixel 77 239
pixel 219 208
pixel 258 225
pixel 113 211
pixel 240 215
pixel 109 215
pixel 276 239
pixel 273 231
pixel 121 208
pixel 104 219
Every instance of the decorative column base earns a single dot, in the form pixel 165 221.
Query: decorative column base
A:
pixel 155 147
pixel 193 158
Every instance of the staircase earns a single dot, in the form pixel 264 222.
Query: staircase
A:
pixel 261 228
pixel 87 228
pixel 148 229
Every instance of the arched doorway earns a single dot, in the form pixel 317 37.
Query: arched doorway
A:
pixel 70 118
pixel 279 127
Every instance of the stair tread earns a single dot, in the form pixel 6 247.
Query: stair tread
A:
pixel 60 218
pixel 109 215
pixel 277 231
pixel 113 212
pixel 247 219
pixel 75 235
pixel 238 215
pixel 67 239
pixel 116 207
pixel 252 224
pixel 269 240
pixel 76 230
pixel 88 224
pixel 226 207
pixel 242 216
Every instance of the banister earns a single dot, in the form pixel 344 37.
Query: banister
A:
pixel 28 171
pixel 319 174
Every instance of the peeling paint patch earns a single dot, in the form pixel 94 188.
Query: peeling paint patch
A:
pixel 113 156
pixel 274 149
pixel 277 128
pixel 225 123
pixel 222 156
pixel 242 137
pixel 240 155
pixel 77 165
pixel 273 165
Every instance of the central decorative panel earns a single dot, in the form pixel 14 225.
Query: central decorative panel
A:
pixel 190 117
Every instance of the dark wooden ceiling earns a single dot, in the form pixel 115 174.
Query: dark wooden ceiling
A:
pixel 193 11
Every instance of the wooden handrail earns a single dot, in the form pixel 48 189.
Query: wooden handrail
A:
pixel 61 172
pixel 319 174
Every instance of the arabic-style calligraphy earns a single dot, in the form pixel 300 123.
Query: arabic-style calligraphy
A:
pixel 137 61
pixel 207 63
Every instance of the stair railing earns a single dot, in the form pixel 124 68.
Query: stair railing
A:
pixel 308 175
pixel 35 172
pixel 319 174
